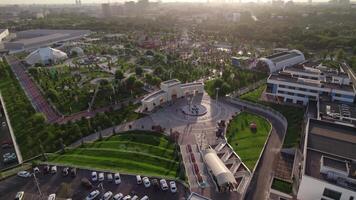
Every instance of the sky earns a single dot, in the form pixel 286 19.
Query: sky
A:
pixel 104 1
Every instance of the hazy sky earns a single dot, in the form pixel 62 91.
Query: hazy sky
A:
pixel 102 1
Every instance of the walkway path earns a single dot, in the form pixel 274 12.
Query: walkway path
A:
pixel 39 102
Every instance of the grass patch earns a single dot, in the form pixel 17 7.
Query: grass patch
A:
pixel 282 186
pixel 294 116
pixel 246 142
pixel 255 95
pixel 136 152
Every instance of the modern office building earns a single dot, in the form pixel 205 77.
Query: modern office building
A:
pixel 45 56
pixel 32 39
pixel 329 167
pixel 278 61
pixel 299 84
pixel 170 90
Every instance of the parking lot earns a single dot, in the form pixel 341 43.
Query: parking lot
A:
pixel 69 187
pixel 7 146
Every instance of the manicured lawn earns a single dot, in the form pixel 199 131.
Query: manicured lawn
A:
pixel 282 186
pixel 294 116
pixel 136 152
pixel 247 143
pixel 254 96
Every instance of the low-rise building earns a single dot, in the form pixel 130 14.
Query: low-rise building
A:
pixel 299 84
pixel 329 168
pixel 278 61
pixel 170 90
pixel 45 56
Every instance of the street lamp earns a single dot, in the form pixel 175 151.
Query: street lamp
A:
pixel 217 94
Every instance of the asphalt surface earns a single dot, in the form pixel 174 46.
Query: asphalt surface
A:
pixel 5 137
pixel 49 184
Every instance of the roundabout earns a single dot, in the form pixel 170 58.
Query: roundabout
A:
pixel 194 110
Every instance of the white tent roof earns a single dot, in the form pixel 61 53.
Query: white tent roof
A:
pixel 222 174
pixel 45 55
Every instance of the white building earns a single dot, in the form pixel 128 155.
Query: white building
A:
pixel 299 84
pixel 329 168
pixel 280 60
pixel 3 34
pixel 170 90
pixel 45 56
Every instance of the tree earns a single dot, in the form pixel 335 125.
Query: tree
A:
pixel 139 71
pixel 119 75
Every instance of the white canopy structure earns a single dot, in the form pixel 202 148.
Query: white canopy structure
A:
pixel 223 176
pixel 45 56
pixel 278 61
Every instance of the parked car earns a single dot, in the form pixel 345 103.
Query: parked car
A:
pixel 101 176
pixel 109 177
pixel 65 171
pixel 138 179
pixel 6 144
pixel 107 195
pixel 24 174
pixel 20 195
pixel 86 183
pixel 155 184
pixel 52 197
pixel 73 172
pixel 146 182
pixel 94 176
pixel 46 169
pixel 92 195
pixel 53 169
pixel 36 170
pixel 9 157
pixel 134 197
pixel 118 196
pixel 173 186
pixel 117 178
pixel 144 198
pixel 164 185
pixel 127 197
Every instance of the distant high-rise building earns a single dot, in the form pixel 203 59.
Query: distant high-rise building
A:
pixel 106 9
pixel 310 1
pixel 78 2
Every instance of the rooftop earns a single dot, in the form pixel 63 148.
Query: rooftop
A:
pixel 278 57
pixel 331 111
pixel 333 143
pixel 152 96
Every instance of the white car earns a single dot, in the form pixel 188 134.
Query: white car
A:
pixel 94 176
pixel 101 176
pixel 127 197
pixel 52 197
pixel 118 196
pixel 117 178
pixel 164 185
pixel 24 174
pixel 134 197
pixel 36 170
pixel 107 195
pixel 92 195
pixel 146 182
pixel 138 179
pixel 144 198
pixel 20 195
pixel 109 177
pixel 54 169
pixel 173 186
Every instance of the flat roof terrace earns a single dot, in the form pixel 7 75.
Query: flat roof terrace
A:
pixel 278 57
pixel 334 142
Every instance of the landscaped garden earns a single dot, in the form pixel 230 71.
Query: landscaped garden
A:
pixel 33 135
pixel 135 152
pixel 294 116
pixel 247 134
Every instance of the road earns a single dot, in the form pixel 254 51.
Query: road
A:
pixel 54 184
